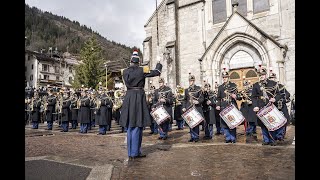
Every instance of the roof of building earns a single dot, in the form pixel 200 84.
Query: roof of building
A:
pixel 250 23
pixel 154 13
pixel 54 57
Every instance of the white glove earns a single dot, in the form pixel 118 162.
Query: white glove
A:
pixel 218 108
pixel 272 100
pixel 162 100
pixel 255 109
pixel 208 102
pixel 195 102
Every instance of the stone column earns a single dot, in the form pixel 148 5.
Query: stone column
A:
pixel 249 9
pixel 229 8
pixel 209 11
pixel 281 66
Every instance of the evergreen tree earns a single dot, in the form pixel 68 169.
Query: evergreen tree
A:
pixel 92 70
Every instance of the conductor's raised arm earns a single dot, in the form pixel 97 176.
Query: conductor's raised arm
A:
pixel 155 72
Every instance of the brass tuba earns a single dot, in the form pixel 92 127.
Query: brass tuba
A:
pixel 118 94
pixel 117 99
pixel 98 102
pixel 179 95
pixel 180 91
pixel 78 103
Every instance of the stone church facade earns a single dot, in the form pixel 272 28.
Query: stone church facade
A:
pixel 202 37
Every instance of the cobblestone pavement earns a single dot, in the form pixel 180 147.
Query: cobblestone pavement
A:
pixel 174 158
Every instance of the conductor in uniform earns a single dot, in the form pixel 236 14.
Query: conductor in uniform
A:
pixel 134 111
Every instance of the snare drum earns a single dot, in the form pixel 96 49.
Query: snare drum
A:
pixel 192 117
pixel 160 114
pixel 271 117
pixel 232 116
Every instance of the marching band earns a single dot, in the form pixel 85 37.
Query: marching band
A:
pixel 192 107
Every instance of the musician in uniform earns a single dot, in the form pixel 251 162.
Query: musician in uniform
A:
pixel 103 118
pixel 227 94
pixel 193 96
pixel 92 95
pixel 35 110
pixel 117 109
pixel 178 98
pixel 134 111
pixel 74 111
pixel 282 98
pixel 111 98
pixel 208 107
pixel 247 111
pixel 26 102
pixel 84 112
pixel 154 125
pixel 292 115
pixel 51 104
pixel 293 111
pixel 264 92
pixel 163 97
pixel 66 112
pixel 219 129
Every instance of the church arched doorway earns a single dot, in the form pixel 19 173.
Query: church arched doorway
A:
pixel 242 62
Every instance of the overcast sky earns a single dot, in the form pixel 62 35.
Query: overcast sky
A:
pixel 119 20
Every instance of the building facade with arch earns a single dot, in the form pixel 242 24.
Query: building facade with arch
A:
pixel 202 37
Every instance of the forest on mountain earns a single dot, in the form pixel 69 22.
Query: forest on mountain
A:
pixel 44 30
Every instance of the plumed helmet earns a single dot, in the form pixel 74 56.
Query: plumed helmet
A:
pixel 135 57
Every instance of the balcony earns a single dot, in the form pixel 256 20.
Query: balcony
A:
pixel 48 72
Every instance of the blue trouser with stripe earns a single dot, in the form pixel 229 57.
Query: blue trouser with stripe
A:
pixel 279 133
pixel 134 140
pixel 219 128
pixel 251 128
pixel 49 124
pixel 231 134
pixel 164 129
pixel 155 128
pixel 65 126
pixel 268 136
pixel 84 127
pixel 103 129
pixel 180 123
pixel 208 130
pixel 35 124
pixel 194 132
pixel 74 124
pixel 93 123
pixel 169 127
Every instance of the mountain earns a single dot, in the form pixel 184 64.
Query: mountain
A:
pixel 44 30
